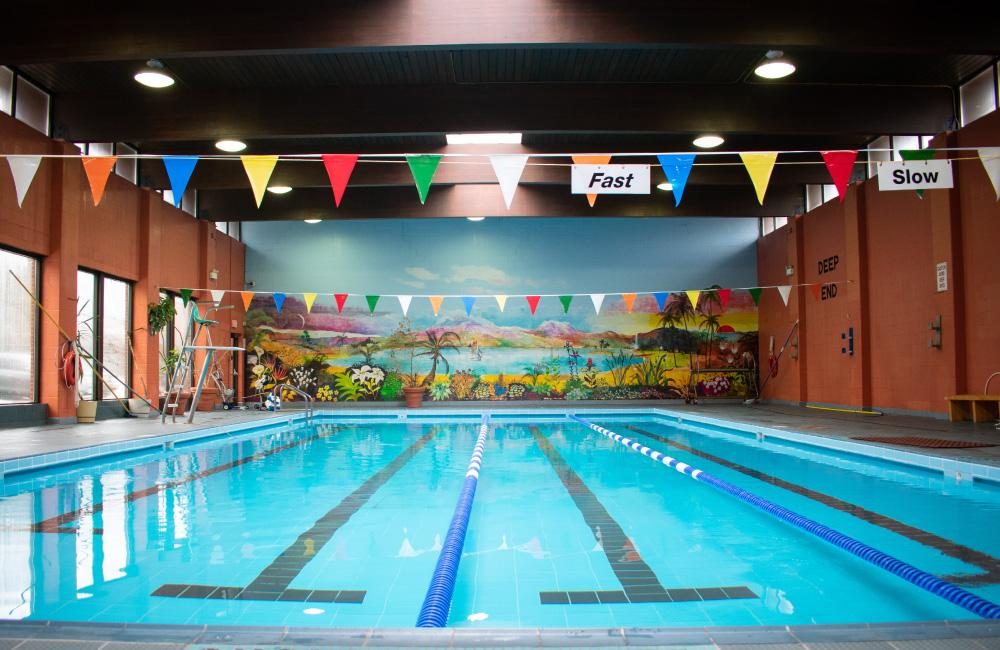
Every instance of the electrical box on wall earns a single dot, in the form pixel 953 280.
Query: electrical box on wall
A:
pixel 942 276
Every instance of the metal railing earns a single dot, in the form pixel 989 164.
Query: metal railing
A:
pixel 306 397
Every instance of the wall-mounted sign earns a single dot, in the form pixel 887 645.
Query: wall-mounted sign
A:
pixel 915 175
pixel 942 276
pixel 610 179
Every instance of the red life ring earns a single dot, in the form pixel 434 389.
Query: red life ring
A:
pixel 71 365
pixel 772 362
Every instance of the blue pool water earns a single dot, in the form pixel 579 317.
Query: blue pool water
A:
pixel 343 521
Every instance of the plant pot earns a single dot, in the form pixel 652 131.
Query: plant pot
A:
pixel 182 402
pixel 86 411
pixel 414 396
pixel 138 406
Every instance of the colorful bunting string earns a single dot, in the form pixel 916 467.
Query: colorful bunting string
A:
pixel 259 169
pixel 629 300
pixel 404 303
pixel 468 301
pixel 309 299
pixel 339 168
pixel 759 166
pixel 340 298
pixel 661 299
pixel 372 300
pixel 693 295
pixel 533 303
pixel 840 164
pixel 677 168
pixel 591 160
pixel 23 169
pixel 785 291
pixel 279 301
pixel 565 300
pixel 598 300
pixel 98 169
pixel 990 157
pixel 423 167
pixel 501 302
pixel 508 169
pixel 179 170
pixel 218 295
pixel 247 297
pixel 436 303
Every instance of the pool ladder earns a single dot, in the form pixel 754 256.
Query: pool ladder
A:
pixel 306 397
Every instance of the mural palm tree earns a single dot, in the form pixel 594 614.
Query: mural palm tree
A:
pixel 681 311
pixel 669 321
pixel 709 300
pixel 710 323
pixel 434 347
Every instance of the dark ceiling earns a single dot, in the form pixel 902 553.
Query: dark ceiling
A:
pixel 392 76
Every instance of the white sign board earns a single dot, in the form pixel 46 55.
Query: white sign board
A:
pixel 610 179
pixel 942 276
pixel 914 175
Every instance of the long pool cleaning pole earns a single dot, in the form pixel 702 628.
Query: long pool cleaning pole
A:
pixel 926 581
pixel 437 602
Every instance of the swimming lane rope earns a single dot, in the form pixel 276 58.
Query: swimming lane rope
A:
pixel 922 579
pixel 437 602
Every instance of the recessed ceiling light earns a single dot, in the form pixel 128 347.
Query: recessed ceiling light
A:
pixel 154 75
pixel 708 141
pixel 475 218
pixel 774 66
pixel 279 189
pixel 230 146
pixel 312 220
pixel 666 187
pixel 483 138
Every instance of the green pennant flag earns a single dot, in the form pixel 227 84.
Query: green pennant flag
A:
pixel 372 301
pixel 186 295
pixel 565 300
pixel 755 294
pixel 423 167
pixel 917 154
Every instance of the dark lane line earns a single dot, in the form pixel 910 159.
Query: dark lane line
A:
pixel 988 563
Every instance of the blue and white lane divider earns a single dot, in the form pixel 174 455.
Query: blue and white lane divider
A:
pixel 922 579
pixel 437 602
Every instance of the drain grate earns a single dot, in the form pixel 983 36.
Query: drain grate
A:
pixel 932 443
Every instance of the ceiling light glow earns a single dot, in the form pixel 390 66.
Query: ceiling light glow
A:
pixel 154 75
pixel 312 220
pixel 483 138
pixel 279 189
pixel 230 146
pixel 708 141
pixel 666 187
pixel 475 218
pixel 776 69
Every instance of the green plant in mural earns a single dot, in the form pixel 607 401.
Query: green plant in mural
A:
pixel 461 384
pixel 651 371
pixel 710 323
pixel 367 349
pixel 253 323
pixel 347 390
pixel 516 391
pixel 325 393
pixel 392 388
pixel 483 391
pixel 618 364
pixel 440 390
pixel 434 347
pixel 589 375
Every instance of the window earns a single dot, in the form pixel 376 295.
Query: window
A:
pixel 31 105
pixel 172 337
pixel 100 149
pixel 104 326
pixel 127 168
pixel 18 351
pixel 904 143
pixel 814 197
pixel 878 151
pixel 6 88
pixel 978 96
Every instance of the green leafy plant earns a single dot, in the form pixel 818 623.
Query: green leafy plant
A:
pixel 347 390
pixel 170 360
pixel 440 390
pixel 392 388
pixel 650 371
pixel 618 364
pixel 161 315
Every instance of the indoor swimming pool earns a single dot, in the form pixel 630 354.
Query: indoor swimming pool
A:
pixel 340 523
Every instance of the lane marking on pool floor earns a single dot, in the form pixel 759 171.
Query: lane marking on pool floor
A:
pixel 639 582
pixel 272 583
pixel 988 563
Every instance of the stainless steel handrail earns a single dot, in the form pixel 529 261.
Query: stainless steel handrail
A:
pixel 306 397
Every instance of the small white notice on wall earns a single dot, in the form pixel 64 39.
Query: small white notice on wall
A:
pixel 610 179
pixel 914 175
pixel 942 276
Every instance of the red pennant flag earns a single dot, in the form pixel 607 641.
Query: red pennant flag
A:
pixel 339 167
pixel 341 298
pixel 533 303
pixel 98 169
pixel 723 297
pixel 815 288
pixel 840 164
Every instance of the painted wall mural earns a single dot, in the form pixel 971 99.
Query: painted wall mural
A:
pixel 560 352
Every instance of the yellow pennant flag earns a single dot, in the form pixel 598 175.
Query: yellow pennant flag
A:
pixel 693 297
pixel 502 301
pixel 310 298
pixel 592 160
pixel 259 170
pixel 759 166
pixel 436 303
pixel 629 299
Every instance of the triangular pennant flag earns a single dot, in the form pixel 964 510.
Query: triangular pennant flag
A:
pixel 501 302
pixel 508 169
pixel 785 291
pixel 755 294
pixel 815 289
pixel 629 300
pixel 339 167
pixel 990 157
pixel 404 303
pixel 565 300
pixel 279 301
pixel 693 295
pixel 423 167
pixel 98 169
pixel 591 160
pixel 723 297
pixel 218 295
pixel 677 168
pixel 661 300
pixel 372 301
pixel 917 154
pixel 179 170
pixel 759 166
pixel 247 297
pixel 468 301
pixel 532 303
pixel 598 300
pixel 258 169
pixel 23 169
pixel 340 298
pixel 186 296
pixel 840 164
pixel 310 298
pixel 436 303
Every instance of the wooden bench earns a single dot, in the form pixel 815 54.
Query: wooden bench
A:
pixel 978 408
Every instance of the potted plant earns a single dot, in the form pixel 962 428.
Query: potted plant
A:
pixel 170 360
pixel 413 390
pixel 161 314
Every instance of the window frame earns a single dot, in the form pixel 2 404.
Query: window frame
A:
pixel 36 348
pixel 98 387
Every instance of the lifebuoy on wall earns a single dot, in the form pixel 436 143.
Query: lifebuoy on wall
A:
pixel 70 364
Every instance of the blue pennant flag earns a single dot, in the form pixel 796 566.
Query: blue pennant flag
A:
pixel 279 300
pixel 179 169
pixel 677 167
pixel 661 299
pixel 468 301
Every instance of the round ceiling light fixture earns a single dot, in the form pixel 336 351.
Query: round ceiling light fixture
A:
pixel 475 218
pixel 774 66
pixel 154 75
pixel 312 220
pixel 708 141
pixel 230 146
pixel 666 187
pixel 279 189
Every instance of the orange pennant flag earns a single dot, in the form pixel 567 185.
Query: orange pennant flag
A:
pixel 247 299
pixel 629 299
pixel 815 288
pixel 98 169
pixel 592 160
pixel 436 303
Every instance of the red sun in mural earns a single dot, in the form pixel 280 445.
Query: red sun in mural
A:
pixel 726 328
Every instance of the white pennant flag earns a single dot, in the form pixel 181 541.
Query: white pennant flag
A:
pixel 598 299
pixel 508 169
pixel 23 169
pixel 218 295
pixel 991 161
pixel 502 301
pixel 785 291
pixel 404 303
